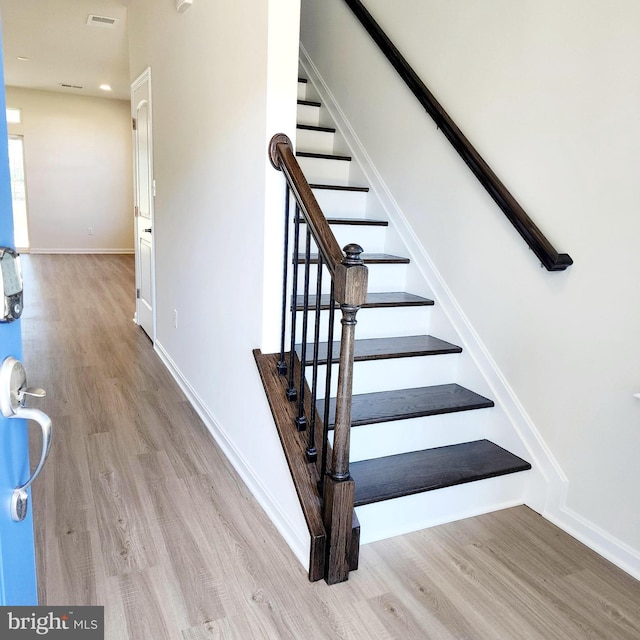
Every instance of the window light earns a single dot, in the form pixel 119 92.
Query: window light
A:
pixel 14 116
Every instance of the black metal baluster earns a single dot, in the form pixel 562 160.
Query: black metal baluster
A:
pixel 312 451
pixel 291 388
pixel 327 392
pixel 301 420
pixel 282 365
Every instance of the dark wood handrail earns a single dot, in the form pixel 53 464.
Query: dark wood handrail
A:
pixel 532 235
pixel 283 159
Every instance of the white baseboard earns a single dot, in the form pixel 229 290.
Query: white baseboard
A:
pixel 56 251
pixel 602 542
pixel 298 544
pixel 551 503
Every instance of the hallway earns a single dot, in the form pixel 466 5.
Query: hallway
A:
pixel 139 511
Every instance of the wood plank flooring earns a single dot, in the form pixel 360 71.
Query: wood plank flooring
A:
pixel 139 511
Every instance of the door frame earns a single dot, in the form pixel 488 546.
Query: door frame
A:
pixel 144 77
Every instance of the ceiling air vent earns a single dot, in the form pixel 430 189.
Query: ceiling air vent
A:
pixel 101 21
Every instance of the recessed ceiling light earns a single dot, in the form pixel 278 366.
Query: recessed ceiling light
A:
pixel 105 87
pixel 23 59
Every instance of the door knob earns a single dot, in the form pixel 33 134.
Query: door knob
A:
pixel 13 392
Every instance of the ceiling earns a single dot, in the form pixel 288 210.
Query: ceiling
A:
pixel 62 49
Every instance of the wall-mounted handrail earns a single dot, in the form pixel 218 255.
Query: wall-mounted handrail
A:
pixel 525 226
pixel 348 289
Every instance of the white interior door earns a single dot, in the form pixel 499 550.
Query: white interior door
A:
pixel 144 194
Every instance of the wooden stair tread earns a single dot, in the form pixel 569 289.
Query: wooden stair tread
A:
pixel 404 404
pixel 339 187
pixel 385 348
pixel 374 300
pixel 367 222
pixel 309 103
pixel 409 473
pixel 311 127
pixel 322 156
pixel 368 258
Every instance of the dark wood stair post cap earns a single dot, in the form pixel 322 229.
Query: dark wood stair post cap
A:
pixel 352 252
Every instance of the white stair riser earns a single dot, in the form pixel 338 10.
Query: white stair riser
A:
pixel 308 115
pixel 390 518
pixel 396 373
pixel 391 438
pixel 382 277
pixel 371 239
pixel 302 90
pixel 314 141
pixel 325 171
pixel 342 204
pixel 380 322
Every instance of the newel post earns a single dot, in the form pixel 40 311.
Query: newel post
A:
pixel 339 489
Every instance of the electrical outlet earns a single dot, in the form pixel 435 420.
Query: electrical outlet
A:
pixel 90 231
pixel 175 318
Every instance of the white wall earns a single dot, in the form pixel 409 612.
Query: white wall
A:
pixel 548 93
pixel 77 153
pixel 223 82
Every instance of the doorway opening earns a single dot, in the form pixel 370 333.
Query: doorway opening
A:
pixel 18 192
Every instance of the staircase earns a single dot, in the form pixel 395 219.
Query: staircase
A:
pixel 419 453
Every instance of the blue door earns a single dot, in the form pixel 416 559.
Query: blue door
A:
pixel 17 558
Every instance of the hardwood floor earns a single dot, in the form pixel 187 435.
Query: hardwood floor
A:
pixel 139 511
